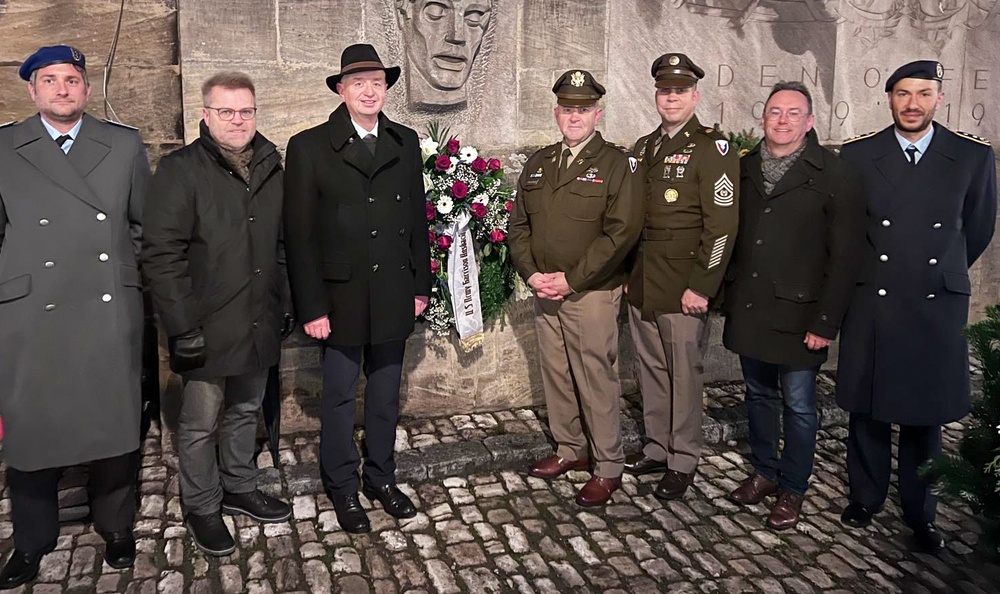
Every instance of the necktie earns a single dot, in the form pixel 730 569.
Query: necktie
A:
pixel 564 164
pixel 911 154
pixel 369 141
pixel 61 140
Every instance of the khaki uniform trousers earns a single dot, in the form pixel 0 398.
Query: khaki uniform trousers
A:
pixel 578 347
pixel 671 349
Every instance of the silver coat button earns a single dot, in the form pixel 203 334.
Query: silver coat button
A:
pixel 937 225
pixel 50 307
pixel 50 264
pixel 106 298
pixel 374 267
pixel 885 222
pixel 884 258
pixel 881 293
pixel 101 216
pixel 932 261
pixel 930 296
pixel 43 222
pixel 103 257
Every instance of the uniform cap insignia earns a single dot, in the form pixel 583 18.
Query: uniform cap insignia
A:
pixel 939 70
pixel 75 53
pixel 577 79
pixel 723 146
pixel 674 60
pixel 724 194
pixel 670 195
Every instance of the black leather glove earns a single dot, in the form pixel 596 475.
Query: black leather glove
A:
pixel 187 351
pixel 287 325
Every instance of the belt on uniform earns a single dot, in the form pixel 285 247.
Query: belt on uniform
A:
pixel 665 234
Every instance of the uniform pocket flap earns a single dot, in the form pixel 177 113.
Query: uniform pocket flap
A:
pixel 131 276
pixel 15 288
pixel 588 189
pixel 336 271
pixel 681 249
pixel 957 283
pixel 796 293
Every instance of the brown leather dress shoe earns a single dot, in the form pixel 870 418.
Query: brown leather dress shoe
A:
pixel 673 485
pixel 753 490
pixel 786 511
pixel 598 491
pixel 554 466
pixel 638 464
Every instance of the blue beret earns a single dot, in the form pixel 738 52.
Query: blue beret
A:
pixel 53 54
pixel 925 69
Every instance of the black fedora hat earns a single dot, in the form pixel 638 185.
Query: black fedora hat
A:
pixel 361 57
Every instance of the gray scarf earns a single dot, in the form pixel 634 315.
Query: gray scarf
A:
pixel 774 168
pixel 240 161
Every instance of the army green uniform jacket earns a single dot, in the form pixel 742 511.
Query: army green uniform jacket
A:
pixel 691 192
pixel 582 221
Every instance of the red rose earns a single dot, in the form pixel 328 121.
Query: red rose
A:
pixel 494 164
pixel 459 190
pixel 509 205
pixel 442 163
pixel 479 165
pixel 496 236
pixel 444 241
pixel 431 211
pixel 431 236
pixel 435 266
pixel 478 209
pixel 452 146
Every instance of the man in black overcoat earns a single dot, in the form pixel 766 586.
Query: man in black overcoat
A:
pixel 932 198
pixel 359 267
pixel 802 227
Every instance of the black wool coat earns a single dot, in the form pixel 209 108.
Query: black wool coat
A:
pixel 903 357
pixel 356 230
pixel 794 266
pixel 211 254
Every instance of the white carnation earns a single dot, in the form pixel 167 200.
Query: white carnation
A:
pixel 468 154
pixel 428 147
pixel 444 205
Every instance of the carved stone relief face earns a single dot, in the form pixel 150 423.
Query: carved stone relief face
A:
pixel 442 39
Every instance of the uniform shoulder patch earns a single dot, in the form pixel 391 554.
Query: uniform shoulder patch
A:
pixel 861 137
pixel 973 137
pixel 119 124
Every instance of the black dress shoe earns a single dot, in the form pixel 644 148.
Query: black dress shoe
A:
pixel 210 534
pixel 257 505
pixel 927 538
pixel 119 549
pixel 857 515
pixel 350 514
pixel 637 464
pixel 20 569
pixel 395 502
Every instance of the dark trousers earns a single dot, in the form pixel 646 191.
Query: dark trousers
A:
pixel 781 399
pixel 869 463
pixel 339 458
pixel 34 500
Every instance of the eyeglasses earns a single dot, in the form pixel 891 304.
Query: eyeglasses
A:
pixel 792 115
pixel 226 114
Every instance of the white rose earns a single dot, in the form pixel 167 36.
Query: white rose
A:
pixel 428 147
pixel 444 205
pixel 428 183
pixel 468 154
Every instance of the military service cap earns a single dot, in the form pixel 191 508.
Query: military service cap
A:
pixel 49 55
pixel 676 70
pixel 577 88
pixel 925 69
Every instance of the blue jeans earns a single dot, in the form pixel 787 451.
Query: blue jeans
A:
pixel 765 404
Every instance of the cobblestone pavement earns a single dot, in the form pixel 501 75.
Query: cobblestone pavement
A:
pixel 501 531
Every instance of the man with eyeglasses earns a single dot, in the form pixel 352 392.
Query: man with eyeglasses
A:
pixel 692 179
pixel 802 217
pixel 71 311
pixel 932 199
pixel 211 253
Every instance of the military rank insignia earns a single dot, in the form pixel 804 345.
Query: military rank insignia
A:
pixel 724 194
pixel 633 164
pixel 723 146
pixel 670 195
pixel 577 79
pixel 590 176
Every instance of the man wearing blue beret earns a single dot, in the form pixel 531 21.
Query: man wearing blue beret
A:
pixel 932 199
pixel 71 311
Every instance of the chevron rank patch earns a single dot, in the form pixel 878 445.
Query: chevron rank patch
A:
pixel 718 248
pixel 724 194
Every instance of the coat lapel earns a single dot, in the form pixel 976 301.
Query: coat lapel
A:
pixel 751 164
pixel 91 146
pixel 344 140
pixel 550 165
pixel 388 147
pixel 674 144
pixel 33 143
pixel 582 161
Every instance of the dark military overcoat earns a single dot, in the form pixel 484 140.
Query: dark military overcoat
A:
pixel 903 357
pixel 356 230
pixel 71 312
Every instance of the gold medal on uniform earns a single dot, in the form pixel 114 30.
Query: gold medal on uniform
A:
pixel 670 195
